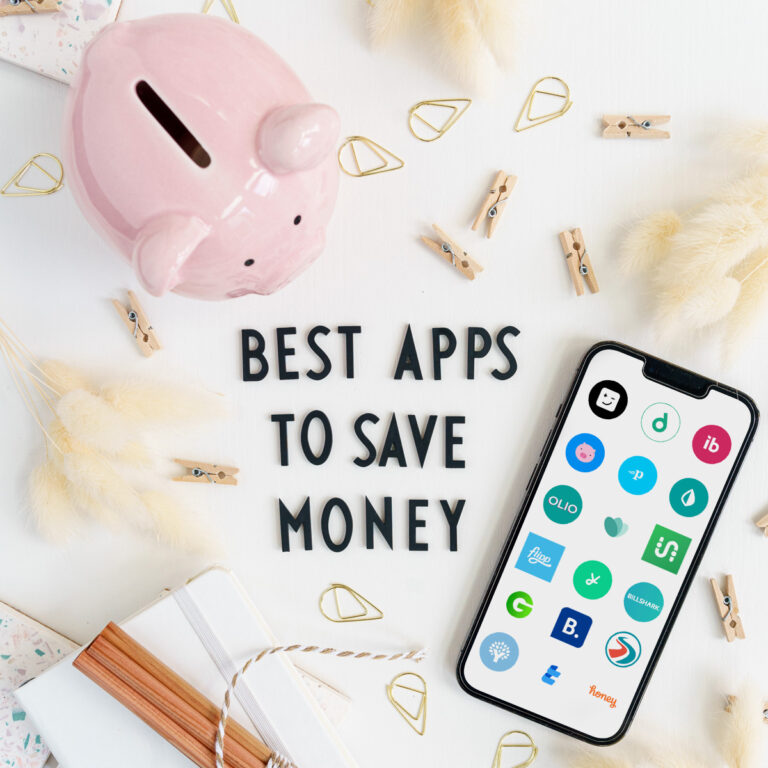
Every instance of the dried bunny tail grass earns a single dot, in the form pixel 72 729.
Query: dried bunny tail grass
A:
pixel 496 21
pixel 713 241
pixel 94 485
pixel 93 421
pixel 698 306
pixel 648 242
pixel 671 752
pixel 742 731
pixel 176 526
pixel 463 48
pixel 63 377
pixel 754 290
pixel 606 758
pixel 53 510
pixel 148 403
pixel 750 191
pixel 750 140
pixel 389 19
pixel 135 454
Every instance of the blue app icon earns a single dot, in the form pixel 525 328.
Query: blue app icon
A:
pixel 585 452
pixel 637 475
pixel 551 675
pixel 499 651
pixel 540 557
pixel 572 627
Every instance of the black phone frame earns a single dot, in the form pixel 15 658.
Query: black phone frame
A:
pixel 669 375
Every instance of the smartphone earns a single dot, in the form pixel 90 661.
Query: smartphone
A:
pixel 616 517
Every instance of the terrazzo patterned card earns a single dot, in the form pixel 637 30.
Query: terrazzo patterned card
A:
pixel 26 649
pixel 52 43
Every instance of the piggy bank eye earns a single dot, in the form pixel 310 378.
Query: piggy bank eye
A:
pixel 248 263
pixel 297 220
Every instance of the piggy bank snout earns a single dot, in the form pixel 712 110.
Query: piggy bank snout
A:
pixel 297 137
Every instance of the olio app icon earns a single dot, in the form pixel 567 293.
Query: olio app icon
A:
pixel 660 422
pixel 519 604
pixel 562 504
pixel 666 549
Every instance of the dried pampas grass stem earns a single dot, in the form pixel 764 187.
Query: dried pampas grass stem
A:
pixel 101 458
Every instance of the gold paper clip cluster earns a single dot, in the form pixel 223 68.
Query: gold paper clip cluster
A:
pixel 421 124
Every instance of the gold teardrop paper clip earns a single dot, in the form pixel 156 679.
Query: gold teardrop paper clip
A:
pixel 417 720
pixel 23 190
pixel 457 106
pixel 526 111
pixel 229 7
pixel 368 611
pixel 503 745
pixel 377 150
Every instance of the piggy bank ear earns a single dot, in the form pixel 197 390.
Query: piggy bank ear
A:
pixel 297 137
pixel 163 248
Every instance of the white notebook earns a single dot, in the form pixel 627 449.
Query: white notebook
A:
pixel 208 625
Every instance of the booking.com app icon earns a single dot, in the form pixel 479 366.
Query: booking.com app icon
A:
pixel 572 627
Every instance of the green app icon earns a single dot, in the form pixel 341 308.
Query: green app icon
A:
pixel 666 549
pixel 562 504
pixel 689 497
pixel 519 604
pixel 660 422
pixel 592 579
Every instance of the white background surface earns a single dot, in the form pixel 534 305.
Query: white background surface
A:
pixel 701 62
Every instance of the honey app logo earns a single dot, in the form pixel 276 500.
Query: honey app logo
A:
pixel 666 549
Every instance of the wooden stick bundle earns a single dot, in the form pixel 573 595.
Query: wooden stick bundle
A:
pixel 166 702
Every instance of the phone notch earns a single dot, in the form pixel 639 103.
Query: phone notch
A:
pixel 678 378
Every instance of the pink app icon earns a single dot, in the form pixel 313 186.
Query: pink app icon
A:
pixel 585 452
pixel 711 444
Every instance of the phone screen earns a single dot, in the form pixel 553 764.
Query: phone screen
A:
pixel 604 546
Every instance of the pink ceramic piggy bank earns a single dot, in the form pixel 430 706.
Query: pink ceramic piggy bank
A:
pixel 196 150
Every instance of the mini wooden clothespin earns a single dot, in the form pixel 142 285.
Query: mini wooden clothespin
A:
pixel 763 523
pixel 728 607
pixel 200 472
pixel 12 7
pixel 577 260
pixel 134 317
pixel 634 126
pixel 494 202
pixel 453 253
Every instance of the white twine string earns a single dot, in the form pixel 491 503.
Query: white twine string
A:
pixel 277 760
